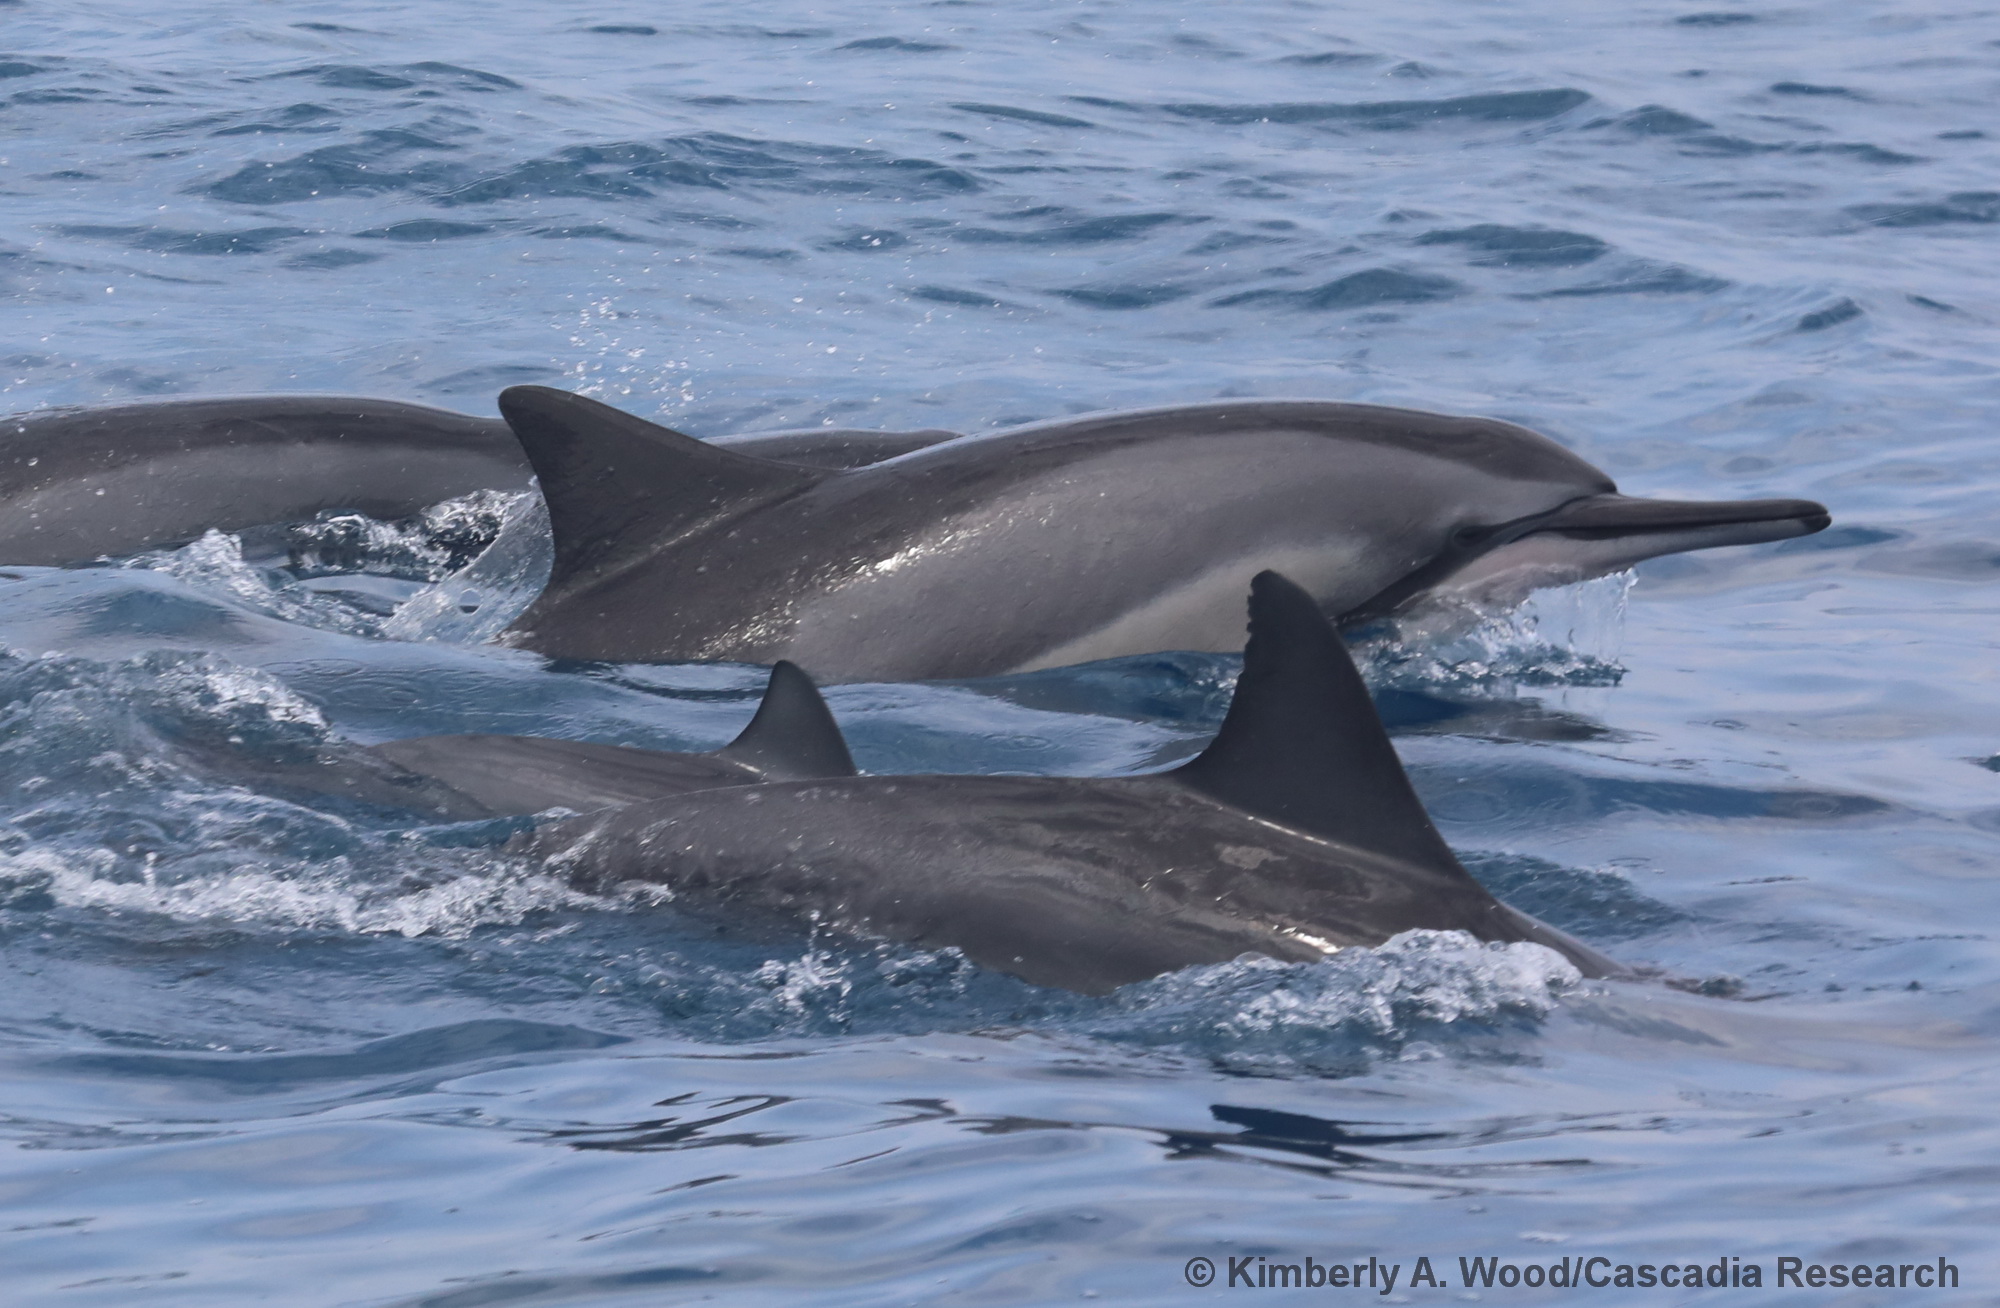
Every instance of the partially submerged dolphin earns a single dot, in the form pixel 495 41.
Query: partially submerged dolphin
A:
pixel 1295 833
pixel 81 483
pixel 1065 541
pixel 460 778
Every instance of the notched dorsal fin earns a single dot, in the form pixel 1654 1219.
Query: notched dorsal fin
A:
pixel 619 487
pixel 1302 744
pixel 793 737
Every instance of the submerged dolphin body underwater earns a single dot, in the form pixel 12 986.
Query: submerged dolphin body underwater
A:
pixel 1294 834
pixel 80 483
pixel 460 778
pixel 1066 541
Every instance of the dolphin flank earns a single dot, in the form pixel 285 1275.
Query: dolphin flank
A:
pixel 1294 834
pixel 1065 541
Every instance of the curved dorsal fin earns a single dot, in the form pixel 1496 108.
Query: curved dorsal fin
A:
pixel 1302 744
pixel 793 737
pixel 619 487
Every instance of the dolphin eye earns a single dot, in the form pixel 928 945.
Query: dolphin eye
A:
pixel 1469 534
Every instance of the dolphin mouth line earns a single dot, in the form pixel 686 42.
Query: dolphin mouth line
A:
pixel 1608 516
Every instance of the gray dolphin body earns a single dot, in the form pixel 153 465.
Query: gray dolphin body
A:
pixel 1066 541
pixel 1293 834
pixel 80 483
pixel 468 777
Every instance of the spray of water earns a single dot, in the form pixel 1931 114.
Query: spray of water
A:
pixel 476 602
pixel 1567 636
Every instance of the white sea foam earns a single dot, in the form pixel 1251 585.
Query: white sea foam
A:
pixel 231 689
pixel 812 982
pixel 1273 1012
pixel 214 563
pixel 328 895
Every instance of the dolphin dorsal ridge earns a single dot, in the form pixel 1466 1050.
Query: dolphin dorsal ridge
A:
pixel 618 487
pixel 793 737
pixel 1302 744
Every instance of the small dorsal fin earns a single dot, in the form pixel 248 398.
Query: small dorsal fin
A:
pixel 793 737
pixel 1302 744
pixel 619 487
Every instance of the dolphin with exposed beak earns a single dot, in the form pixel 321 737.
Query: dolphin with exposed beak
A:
pixel 1294 834
pixel 1066 541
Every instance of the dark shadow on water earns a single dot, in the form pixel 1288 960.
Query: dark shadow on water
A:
pixel 665 1133
pixel 1304 1132
pixel 1301 1142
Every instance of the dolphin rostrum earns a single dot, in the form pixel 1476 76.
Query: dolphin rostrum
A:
pixel 1295 833
pixel 463 778
pixel 81 483
pixel 1065 541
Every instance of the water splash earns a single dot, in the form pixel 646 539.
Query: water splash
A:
pixel 1563 636
pixel 65 708
pixel 1359 1004
pixel 476 602
pixel 605 366
pixel 435 895
pixel 459 572
pixel 1441 990
pixel 216 564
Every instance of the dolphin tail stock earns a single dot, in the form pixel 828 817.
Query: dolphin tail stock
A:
pixel 618 486
pixel 1302 743
pixel 793 737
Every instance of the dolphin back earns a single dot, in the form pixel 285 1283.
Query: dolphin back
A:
pixel 621 489
pixel 517 775
pixel 793 737
pixel 1302 744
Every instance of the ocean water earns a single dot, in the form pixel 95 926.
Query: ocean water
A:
pixel 257 1051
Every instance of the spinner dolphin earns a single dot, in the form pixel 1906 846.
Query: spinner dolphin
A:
pixel 1066 541
pixel 1294 834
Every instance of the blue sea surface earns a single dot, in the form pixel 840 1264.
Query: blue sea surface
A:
pixel 258 1051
